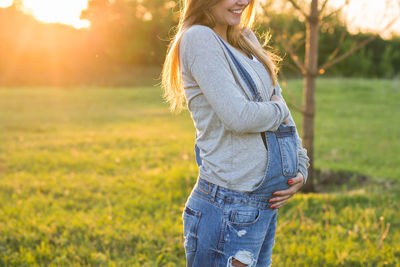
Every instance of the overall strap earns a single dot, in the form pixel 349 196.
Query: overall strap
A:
pixel 252 86
pixel 244 74
pixel 249 81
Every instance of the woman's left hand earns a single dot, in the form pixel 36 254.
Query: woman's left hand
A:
pixel 282 196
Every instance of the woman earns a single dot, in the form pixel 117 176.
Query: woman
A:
pixel 250 157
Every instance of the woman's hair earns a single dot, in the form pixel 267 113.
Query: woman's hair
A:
pixel 199 12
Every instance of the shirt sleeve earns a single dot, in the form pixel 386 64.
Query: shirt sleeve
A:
pixel 302 152
pixel 204 57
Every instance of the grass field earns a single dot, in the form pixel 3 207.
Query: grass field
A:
pixel 99 177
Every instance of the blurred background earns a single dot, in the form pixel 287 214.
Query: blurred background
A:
pixel 102 42
pixel 95 170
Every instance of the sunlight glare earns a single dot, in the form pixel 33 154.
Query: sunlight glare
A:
pixel 58 11
pixel 5 3
pixel 371 15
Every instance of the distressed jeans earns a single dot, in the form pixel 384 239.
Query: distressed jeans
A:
pixel 220 224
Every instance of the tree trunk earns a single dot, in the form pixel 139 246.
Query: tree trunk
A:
pixel 311 66
pixel 308 128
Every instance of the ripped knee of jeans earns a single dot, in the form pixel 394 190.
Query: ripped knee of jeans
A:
pixel 242 258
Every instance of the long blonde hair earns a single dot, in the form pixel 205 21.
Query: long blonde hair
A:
pixel 198 12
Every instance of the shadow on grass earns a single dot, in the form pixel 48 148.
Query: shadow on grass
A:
pixel 331 181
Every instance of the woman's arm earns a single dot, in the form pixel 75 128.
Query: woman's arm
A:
pixel 302 152
pixel 203 57
pixel 282 196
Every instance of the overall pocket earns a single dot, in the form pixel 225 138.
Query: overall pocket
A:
pixel 191 219
pixel 244 216
pixel 287 141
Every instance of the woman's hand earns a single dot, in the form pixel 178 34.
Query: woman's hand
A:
pixel 282 196
pixel 277 98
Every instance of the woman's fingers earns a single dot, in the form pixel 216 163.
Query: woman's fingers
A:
pixel 286 121
pixel 298 179
pixel 276 199
pixel 290 191
pixel 279 201
pixel 278 204
pixel 276 98
pixel 282 196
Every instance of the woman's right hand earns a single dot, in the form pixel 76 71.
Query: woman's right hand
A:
pixel 277 98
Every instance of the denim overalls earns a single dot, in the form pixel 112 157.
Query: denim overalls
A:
pixel 220 224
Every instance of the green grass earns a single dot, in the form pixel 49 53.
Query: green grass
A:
pixel 99 177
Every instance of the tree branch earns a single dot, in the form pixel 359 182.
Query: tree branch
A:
pixel 299 44
pixel 289 49
pixel 293 67
pixel 296 108
pixel 296 6
pixel 323 6
pixel 355 47
pixel 336 10
pixel 339 45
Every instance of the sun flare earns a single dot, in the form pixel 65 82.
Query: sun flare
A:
pixel 5 3
pixel 61 11
pixel 55 11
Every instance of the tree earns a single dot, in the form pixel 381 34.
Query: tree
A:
pixel 312 13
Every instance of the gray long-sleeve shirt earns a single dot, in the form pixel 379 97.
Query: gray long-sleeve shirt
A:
pixel 227 120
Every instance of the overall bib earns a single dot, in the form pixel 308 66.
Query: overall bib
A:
pixel 220 224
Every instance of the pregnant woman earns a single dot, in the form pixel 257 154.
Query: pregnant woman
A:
pixel 249 154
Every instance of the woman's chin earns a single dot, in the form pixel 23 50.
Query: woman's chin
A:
pixel 234 23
